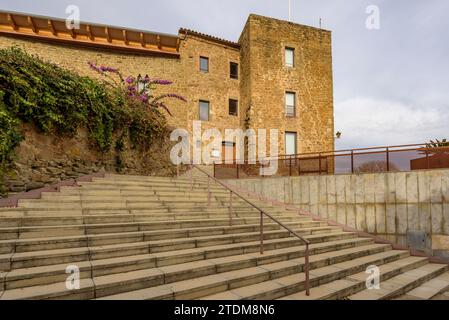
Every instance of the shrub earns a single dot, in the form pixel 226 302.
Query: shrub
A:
pixel 58 101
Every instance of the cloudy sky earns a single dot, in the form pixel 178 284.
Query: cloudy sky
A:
pixel 391 85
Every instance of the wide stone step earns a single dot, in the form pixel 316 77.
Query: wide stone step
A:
pixel 210 245
pixel 402 283
pixel 99 188
pixel 429 290
pixel 97 236
pixel 225 283
pixel 99 225
pixel 51 274
pixel 29 227
pixel 122 183
pixel 110 191
pixel 287 285
pixel 141 196
pixel 342 288
pixel 236 274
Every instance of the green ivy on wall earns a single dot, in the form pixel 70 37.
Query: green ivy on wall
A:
pixel 58 101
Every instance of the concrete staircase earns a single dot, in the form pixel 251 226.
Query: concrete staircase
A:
pixel 154 238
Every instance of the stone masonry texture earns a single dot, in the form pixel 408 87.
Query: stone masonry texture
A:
pixel 260 89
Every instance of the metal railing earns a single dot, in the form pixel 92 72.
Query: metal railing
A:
pixel 398 158
pixel 262 214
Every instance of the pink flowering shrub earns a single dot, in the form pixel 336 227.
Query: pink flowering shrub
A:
pixel 138 89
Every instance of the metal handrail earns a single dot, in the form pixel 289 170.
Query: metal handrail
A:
pixel 295 159
pixel 262 214
pixel 337 152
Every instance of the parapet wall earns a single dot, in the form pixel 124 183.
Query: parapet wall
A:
pixel 408 208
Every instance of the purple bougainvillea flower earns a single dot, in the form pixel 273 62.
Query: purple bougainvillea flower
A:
pixel 102 69
pixel 108 69
pixel 161 82
pixel 129 80
pixel 144 98
pixel 176 96
pixel 93 66
pixel 163 106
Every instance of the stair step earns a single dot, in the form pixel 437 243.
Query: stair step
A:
pixel 142 237
pixel 48 274
pixel 227 282
pixel 98 237
pixel 135 280
pixel 341 288
pixel 28 228
pixel 402 283
pixel 430 289
pixel 287 285
pixel 234 244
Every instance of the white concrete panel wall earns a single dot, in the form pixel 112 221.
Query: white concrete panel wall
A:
pixel 387 204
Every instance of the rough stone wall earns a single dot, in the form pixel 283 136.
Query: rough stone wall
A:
pixel 263 80
pixel 42 160
pixel 310 79
pixel 216 86
pixel 75 58
pixel 387 204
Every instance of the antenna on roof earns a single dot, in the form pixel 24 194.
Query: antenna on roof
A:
pixel 289 10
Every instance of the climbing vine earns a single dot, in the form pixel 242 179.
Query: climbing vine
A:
pixel 58 101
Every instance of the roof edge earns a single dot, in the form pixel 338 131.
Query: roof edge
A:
pixel 228 43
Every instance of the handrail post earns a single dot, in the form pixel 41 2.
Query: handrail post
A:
pixel 208 191
pixel 290 166
pixel 352 161
pixel 177 170
pixel 191 178
pixel 261 232
pixel 388 160
pixel 306 270
pixel 427 159
pixel 230 209
pixel 319 160
pixel 238 170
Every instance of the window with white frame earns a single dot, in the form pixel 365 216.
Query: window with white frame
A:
pixel 289 57
pixel 204 110
pixel 290 104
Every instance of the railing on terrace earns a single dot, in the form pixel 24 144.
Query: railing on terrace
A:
pixel 365 160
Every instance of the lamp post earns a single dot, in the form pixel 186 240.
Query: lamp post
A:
pixel 140 84
pixel 143 84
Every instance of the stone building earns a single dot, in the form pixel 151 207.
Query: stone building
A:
pixel 277 76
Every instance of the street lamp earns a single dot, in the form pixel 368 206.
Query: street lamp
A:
pixel 140 84
pixel 143 84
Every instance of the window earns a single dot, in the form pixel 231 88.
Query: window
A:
pixel 289 57
pixel 234 70
pixel 204 110
pixel 204 64
pixel 290 104
pixel 290 143
pixel 233 107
